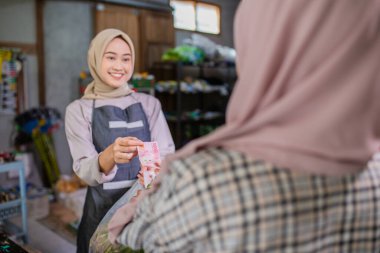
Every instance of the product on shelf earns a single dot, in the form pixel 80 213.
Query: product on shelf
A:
pixel 193 96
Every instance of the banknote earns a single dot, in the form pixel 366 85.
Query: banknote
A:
pixel 149 156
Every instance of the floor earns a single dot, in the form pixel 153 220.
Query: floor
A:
pixel 43 240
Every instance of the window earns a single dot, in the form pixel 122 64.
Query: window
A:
pixel 196 16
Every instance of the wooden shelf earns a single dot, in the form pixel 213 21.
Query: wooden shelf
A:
pixel 179 102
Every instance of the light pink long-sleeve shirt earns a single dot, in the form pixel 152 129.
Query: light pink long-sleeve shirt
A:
pixel 78 129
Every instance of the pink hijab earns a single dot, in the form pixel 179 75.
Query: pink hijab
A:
pixel 308 94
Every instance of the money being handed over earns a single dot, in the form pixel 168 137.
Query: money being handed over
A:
pixel 149 156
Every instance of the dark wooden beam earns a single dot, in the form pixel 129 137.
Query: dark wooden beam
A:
pixel 21 96
pixel 40 51
pixel 141 4
pixel 24 47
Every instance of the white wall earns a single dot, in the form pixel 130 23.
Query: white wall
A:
pixel 67 34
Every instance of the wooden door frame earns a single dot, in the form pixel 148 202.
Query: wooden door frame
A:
pixel 40 48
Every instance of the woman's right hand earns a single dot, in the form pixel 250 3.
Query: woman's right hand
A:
pixel 125 149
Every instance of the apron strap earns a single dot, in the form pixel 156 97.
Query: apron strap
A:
pixel 92 111
pixel 118 184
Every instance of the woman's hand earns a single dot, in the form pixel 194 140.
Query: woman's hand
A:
pixel 123 150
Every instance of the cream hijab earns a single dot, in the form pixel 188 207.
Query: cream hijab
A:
pixel 98 89
pixel 308 93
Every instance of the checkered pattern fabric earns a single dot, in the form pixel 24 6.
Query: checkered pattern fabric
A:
pixel 223 201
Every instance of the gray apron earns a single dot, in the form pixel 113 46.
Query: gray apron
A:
pixel 109 123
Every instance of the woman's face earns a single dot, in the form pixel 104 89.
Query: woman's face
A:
pixel 116 63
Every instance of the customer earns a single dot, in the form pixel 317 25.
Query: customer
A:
pixel 287 172
pixel 106 125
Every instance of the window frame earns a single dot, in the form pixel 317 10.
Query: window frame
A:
pixel 196 30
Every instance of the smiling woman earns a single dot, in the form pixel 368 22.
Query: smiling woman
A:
pixel 117 63
pixel 105 127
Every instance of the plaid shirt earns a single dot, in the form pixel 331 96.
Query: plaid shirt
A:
pixel 223 201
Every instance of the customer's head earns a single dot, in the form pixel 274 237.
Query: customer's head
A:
pixel 307 95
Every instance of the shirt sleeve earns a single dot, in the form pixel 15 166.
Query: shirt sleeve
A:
pixel 159 128
pixel 167 222
pixel 85 157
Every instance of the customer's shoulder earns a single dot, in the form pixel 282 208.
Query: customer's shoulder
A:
pixel 210 161
pixel 217 157
pixel 374 162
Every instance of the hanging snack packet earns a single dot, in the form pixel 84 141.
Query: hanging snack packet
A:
pixel 149 156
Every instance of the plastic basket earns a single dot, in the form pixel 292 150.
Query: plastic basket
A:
pixel 6 213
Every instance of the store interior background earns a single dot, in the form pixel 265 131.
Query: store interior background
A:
pixel 67 32
pixel 68 27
